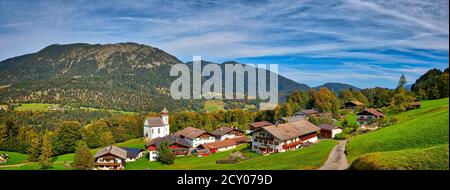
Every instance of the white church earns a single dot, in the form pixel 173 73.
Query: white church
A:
pixel 155 127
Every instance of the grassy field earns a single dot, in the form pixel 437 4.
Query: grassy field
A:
pixel 34 107
pixel 307 158
pixel 14 157
pixel 58 161
pixel 434 158
pixel 46 107
pixel 421 128
pixel 214 105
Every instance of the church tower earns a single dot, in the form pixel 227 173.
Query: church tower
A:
pixel 165 118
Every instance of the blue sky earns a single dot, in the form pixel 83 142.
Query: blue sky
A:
pixel 363 43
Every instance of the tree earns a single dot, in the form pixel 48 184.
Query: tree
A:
pixel 401 101
pixel 325 100
pixel 166 156
pixel 34 151
pixel 3 134
pixel 66 135
pixel 46 154
pixel 83 158
pixel 401 82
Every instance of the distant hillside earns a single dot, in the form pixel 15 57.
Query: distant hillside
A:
pixel 337 87
pixel 285 85
pixel 123 76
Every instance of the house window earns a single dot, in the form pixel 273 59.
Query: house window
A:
pixel 159 130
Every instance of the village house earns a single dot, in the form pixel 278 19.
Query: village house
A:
pixel 352 104
pixel 329 131
pixel 114 158
pixel 219 146
pixel 414 105
pixel 133 153
pixel 3 158
pixel 256 125
pixel 178 145
pixel 155 127
pixel 284 137
pixel 225 132
pixel 307 112
pixel 110 158
pixel 195 136
pixel 292 118
pixel 367 117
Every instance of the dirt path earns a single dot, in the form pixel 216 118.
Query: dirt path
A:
pixel 337 159
pixel 14 165
pixel 22 164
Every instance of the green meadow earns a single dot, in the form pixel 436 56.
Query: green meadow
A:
pixel 306 158
pixel 418 129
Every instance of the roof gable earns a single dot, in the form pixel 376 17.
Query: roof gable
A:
pixel 287 131
pixel 191 132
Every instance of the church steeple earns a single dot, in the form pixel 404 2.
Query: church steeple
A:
pixel 165 116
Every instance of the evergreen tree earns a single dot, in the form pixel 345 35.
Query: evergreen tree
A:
pixel 3 134
pixel 166 156
pixel 34 151
pixel 46 154
pixel 401 82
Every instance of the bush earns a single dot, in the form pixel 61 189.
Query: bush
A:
pixel 341 136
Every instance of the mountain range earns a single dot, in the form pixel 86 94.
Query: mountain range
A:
pixel 122 76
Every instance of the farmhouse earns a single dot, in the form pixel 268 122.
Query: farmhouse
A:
pixel 3 158
pixel 292 118
pixel 225 132
pixel 284 137
pixel 178 145
pixel 257 125
pixel 219 146
pixel 352 104
pixel 195 136
pixel 329 131
pixel 307 112
pixel 368 117
pixel 133 153
pixel 110 158
pixel 155 127
pixel 414 105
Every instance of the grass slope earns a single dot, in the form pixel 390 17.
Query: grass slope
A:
pixel 307 158
pixel 434 158
pixel 420 128
pixel 59 161
pixel 14 157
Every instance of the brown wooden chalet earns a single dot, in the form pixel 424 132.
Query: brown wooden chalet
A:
pixel 284 137
pixel 367 117
pixel 178 145
pixel 195 136
pixel 110 158
pixel 329 131
pixel 225 132
pixel 259 124
pixel 219 146
pixel 352 104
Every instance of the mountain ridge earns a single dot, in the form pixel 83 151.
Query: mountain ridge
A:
pixel 124 76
